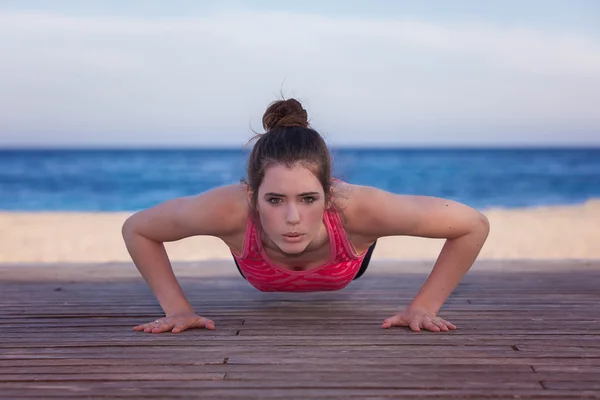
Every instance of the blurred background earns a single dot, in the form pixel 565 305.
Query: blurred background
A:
pixel 117 105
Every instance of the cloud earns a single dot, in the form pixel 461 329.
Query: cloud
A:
pixel 205 79
pixel 518 48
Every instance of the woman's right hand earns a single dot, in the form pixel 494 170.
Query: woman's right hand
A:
pixel 176 323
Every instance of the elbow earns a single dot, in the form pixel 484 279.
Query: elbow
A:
pixel 136 227
pixel 128 228
pixel 483 225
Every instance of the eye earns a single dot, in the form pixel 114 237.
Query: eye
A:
pixel 274 200
pixel 309 199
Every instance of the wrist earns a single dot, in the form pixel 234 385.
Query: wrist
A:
pixel 178 309
pixel 430 308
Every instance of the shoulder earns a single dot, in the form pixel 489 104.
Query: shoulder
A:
pixel 220 212
pixel 225 207
pixel 349 201
pixel 371 213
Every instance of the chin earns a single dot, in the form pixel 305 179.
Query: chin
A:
pixel 292 248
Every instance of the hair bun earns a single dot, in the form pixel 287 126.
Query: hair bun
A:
pixel 285 113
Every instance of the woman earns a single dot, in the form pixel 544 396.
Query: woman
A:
pixel 292 227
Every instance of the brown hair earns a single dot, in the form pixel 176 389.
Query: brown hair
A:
pixel 288 140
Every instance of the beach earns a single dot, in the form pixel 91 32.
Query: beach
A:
pixel 552 232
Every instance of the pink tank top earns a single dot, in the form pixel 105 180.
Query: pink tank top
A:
pixel 335 274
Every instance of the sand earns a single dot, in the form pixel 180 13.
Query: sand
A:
pixel 562 232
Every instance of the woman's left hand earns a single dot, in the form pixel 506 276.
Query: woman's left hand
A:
pixel 417 318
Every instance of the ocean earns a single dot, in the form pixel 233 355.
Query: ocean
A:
pixel 133 179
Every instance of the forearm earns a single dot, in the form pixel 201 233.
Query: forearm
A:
pixel 456 258
pixel 150 258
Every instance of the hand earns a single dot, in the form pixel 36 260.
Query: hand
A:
pixel 417 318
pixel 176 323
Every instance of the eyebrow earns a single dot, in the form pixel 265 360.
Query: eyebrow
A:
pixel 300 195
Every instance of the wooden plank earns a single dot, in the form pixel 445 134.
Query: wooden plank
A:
pixel 566 369
pixel 114 377
pixel 323 384
pixel 235 352
pixel 175 390
pixel 158 365
pixel 426 352
pixel 214 341
pixel 415 376
pixel 182 373
pixel 268 360
pixel 579 384
pixel 390 337
pixel 441 371
pixel 74 339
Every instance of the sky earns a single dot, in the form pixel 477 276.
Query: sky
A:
pixel 118 73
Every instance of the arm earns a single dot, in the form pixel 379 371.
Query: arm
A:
pixel 218 212
pixel 464 228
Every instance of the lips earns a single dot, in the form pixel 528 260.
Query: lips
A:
pixel 293 237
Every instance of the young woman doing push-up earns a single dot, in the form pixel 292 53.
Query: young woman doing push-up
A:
pixel 291 226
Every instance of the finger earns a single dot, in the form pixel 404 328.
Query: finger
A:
pixel 209 324
pixel 158 326
pixel 387 323
pixel 414 326
pixel 199 323
pixel 161 326
pixel 147 327
pixel 141 327
pixel 440 324
pixel 431 326
pixel 396 320
pixel 437 321
pixel 449 324
pixel 179 327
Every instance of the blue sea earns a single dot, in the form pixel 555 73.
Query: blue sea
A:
pixel 129 180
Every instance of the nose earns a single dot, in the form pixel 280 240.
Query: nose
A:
pixel 292 216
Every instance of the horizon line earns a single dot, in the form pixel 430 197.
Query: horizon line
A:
pixel 331 147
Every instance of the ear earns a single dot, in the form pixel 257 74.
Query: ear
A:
pixel 329 202
pixel 249 194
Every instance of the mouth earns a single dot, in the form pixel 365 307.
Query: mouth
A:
pixel 293 237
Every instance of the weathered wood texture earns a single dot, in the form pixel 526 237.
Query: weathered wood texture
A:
pixel 533 333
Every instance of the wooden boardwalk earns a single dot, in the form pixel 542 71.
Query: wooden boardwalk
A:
pixel 525 330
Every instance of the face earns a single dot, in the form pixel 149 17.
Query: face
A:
pixel 291 203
